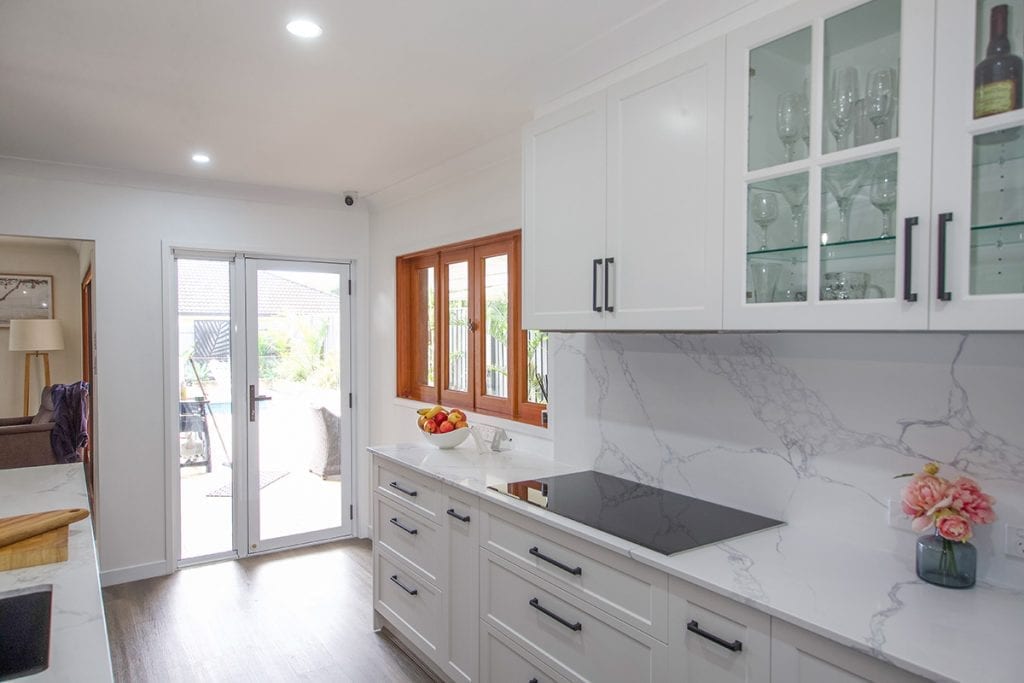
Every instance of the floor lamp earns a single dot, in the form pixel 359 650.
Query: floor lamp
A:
pixel 36 338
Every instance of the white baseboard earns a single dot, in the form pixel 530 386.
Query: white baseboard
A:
pixel 112 577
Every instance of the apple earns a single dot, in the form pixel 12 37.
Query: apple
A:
pixel 421 421
pixel 456 416
pixel 440 418
pixel 446 427
pixel 461 425
pixel 430 427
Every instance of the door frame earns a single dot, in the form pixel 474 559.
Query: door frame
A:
pixel 172 492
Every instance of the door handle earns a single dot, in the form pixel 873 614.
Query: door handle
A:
pixel 694 627
pixel 607 278
pixel 253 398
pixel 593 283
pixel 908 258
pixel 942 294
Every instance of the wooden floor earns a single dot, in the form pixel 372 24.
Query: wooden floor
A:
pixel 299 615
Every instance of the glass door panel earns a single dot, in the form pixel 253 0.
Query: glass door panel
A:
pixel 777 239
pixel 457 275
pixel 426 336
pixel 299 486
pixel 997 213
pixel 778 117
pixel 496 325
pixel 860 93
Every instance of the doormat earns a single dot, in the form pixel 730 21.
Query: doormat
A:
pixel 267 478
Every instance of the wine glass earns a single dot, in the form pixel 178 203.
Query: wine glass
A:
pixel 883 193
pixel 764 208
pixel 843 182
pixel 844 95
pixel 878 100
pixel 788 121
pixel 805 116
pixel 794 191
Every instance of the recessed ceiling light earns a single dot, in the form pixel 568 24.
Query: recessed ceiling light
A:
pixel 304 28
pixel 201 158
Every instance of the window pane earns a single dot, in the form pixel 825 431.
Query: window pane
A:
pixel 458 326
pixel 426 335
pixel 496 341
pixel 536 366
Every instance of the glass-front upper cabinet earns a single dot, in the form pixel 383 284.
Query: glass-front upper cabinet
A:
pixel 978 175
pixel 827 167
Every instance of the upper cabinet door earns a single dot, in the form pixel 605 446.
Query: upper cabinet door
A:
pixel 564 195
pixel 665 150
pixel 827 167
pixel 978 177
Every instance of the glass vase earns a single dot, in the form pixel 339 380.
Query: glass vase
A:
pixel 950 564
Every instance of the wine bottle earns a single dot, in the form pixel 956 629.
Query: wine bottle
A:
pixel 997 78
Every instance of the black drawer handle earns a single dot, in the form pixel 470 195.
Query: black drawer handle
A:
pixel 575 571
pixel 908 258
pixel 593 284
pixel 607 278
pixel 694 627
pixel 411 532
pixel 410 591
pixel 942 294
pixel 535 603
pixel 407 492
pixel 456 515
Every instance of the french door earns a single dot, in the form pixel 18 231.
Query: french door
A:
pixel 263 449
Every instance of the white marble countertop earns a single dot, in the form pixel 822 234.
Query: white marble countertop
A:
pixel 79 650
pixel 866 598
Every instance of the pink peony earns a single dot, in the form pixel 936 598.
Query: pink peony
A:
pixel 921 523
pixel 953 526
pixel 924 495
pixel 968 499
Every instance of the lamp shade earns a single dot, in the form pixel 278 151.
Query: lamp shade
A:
pixel 36 335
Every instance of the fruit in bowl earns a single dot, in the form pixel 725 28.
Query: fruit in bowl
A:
pixel 443 428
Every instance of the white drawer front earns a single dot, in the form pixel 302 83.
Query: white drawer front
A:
pixel 410 604
pixel 503 662
pixel 573 638
pixel 418 492
pixel 625 589
pixel 410 537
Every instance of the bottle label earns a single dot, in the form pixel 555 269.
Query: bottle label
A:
pixel 994 98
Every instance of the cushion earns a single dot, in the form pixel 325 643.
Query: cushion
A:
pixel 46 407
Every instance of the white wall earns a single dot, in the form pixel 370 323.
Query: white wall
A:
pixel 59 260
pixel 129 226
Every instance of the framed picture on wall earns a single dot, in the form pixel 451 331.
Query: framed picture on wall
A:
pixel 25 297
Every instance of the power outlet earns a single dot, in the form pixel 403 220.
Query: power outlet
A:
pixel 1015 541
pixel 898 520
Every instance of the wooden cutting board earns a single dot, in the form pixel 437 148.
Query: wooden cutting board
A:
pixel 37 538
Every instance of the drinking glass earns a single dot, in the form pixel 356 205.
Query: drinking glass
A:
pixel 794 191
pixel 763 278
pixel 843 96
pixel 805 118
pixel 883 193
pixel 878 100
pixel 843 182
pixel 789 121
pixel 764 208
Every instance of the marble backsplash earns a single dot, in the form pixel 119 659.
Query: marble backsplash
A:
pixel 809 428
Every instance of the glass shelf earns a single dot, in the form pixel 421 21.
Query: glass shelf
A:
pixel 865 248
pixel 787 251
pixel 998 147
pixel 998 235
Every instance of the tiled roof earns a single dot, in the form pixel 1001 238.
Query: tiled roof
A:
pixel 203 291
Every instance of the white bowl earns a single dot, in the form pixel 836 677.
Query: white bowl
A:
pixel 449 440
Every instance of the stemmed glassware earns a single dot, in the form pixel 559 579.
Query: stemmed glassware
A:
pixel 764 209
pixel 883 192
pixel 843 182
pixel 789 123
pixel 844 95
pixel 794 191
pixel 881 92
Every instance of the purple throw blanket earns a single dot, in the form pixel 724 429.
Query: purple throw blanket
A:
pixel 71 421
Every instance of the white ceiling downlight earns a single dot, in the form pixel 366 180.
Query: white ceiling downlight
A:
pixel 201 158
pixel 304 28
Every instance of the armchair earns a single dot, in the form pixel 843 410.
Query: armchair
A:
pixel 25 441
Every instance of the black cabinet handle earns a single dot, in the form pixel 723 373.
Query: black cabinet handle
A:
pixel 410 591
pixel 407 492
pixel 593 283
pixel 607 263
pixel 908 258
pixel 411 532
pixel 576 571
pixel 942 294
pixel 694 627
pixel 456 515
pixel 535 603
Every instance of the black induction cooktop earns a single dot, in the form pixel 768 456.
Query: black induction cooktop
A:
pixel 661 520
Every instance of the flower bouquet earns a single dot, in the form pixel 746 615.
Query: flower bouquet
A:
pixel 945 558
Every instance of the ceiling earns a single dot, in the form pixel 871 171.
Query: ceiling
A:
pixel 392 88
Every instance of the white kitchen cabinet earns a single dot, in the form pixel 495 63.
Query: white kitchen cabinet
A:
pixel 622 203
pixel 716 640
pixel 799 656
pixel 462 597
pixel 502 660
pixel 827 213
pixel 564 217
